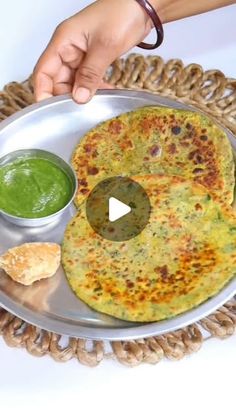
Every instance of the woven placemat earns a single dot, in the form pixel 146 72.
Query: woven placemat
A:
pixel 211 92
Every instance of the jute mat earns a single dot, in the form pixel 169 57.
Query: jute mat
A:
pixel 211 92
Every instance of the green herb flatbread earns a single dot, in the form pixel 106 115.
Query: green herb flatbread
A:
pixel 185 255
pixel 156 140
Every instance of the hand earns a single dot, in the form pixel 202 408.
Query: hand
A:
pixel 83 47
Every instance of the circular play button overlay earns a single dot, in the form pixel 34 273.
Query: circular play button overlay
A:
pixel 118 208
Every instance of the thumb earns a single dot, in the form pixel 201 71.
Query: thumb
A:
pixel 90 74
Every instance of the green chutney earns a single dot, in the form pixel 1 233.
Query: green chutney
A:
pixel 33 188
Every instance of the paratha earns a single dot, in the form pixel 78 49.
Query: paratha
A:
pixel 185 255
pixel 156 140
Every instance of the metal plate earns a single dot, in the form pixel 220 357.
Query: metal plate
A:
pixel 56 125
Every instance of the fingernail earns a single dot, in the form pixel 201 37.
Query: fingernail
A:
pixel 43 96
pixel 82 95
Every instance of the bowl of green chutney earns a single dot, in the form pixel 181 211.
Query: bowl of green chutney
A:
pixel 36 187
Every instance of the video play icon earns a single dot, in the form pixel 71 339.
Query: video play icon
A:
pixel 118 208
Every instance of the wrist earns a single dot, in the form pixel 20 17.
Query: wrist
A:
pixel 147 20
pixel 154 21
pixel 160 7
pixel 156 4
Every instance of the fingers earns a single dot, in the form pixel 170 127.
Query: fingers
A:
pixel 56 73
pixel 43 86
pixel 46 69
pixel 90 73
pixel 63 81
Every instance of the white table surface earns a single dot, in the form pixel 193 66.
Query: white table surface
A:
pixel 202 384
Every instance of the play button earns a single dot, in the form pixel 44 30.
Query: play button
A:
pixel 118 208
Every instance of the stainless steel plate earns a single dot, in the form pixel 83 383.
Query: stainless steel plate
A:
pixel 56 125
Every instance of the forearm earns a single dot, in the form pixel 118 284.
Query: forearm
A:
pixel 170 10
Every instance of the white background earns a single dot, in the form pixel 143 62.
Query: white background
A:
pixel 200 385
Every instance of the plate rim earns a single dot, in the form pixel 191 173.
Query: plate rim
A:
pixel 141 330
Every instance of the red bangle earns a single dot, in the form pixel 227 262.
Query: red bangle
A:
pixel 149 9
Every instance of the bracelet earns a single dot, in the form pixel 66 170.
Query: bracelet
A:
pixel 149 9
